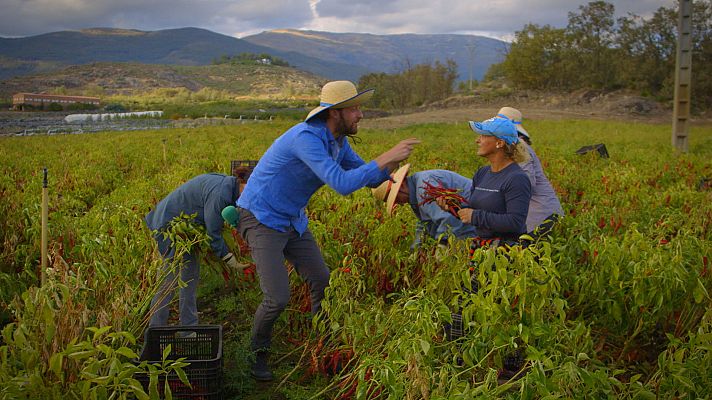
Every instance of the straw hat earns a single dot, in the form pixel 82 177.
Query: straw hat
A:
pixel 339 94
pixel 388 190
pixel 515 116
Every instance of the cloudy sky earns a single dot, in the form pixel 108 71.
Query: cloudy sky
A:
pixel 494 18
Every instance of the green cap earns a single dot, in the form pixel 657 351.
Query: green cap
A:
pixel 231 215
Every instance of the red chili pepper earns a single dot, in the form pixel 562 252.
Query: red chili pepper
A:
pixel 433 193
pixel 248 274
pixel 515 301
pixel 704 266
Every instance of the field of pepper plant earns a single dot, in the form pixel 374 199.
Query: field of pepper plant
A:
pixel 616 305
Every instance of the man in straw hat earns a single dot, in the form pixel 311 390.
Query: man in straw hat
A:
pixel 544 206
pixel 272 207
pixel 411 190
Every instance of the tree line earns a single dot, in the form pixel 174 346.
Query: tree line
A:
pixel 415 85
pixel 594 51
pixel 597 51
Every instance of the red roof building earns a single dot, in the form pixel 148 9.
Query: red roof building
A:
pixel 38 100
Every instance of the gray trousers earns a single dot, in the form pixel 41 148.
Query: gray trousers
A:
pixel 269 250
pixel 187 298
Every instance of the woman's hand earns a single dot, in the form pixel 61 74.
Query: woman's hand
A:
pixel 465 215
pixel 442 203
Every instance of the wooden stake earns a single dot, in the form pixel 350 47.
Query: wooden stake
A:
pixel 43 251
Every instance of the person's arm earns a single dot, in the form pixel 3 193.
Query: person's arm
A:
pixel 442 222
pixel 516 196
pixel 396 154
pixel 214 223
pixel 312 152
pixel 351 160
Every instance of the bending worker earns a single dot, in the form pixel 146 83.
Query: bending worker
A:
pixel 412 190
pixel 205 196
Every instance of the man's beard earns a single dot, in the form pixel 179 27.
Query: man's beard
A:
pixel 345 129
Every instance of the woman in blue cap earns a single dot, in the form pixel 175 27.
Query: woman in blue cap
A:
pixel 501 191
pixel 498 203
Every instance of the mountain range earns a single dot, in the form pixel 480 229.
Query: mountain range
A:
pixel 330 55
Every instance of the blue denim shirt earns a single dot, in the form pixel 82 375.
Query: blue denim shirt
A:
pixel 431 218
pixel 204 195
pixel 295 166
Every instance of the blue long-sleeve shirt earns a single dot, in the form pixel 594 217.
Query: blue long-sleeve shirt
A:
pixel 501 200
pixel 205 195
pixel 431 218
pixel 295 166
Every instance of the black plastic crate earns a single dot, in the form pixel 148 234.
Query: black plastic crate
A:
pixel 201 346
pixel 242 169
pixel 600 148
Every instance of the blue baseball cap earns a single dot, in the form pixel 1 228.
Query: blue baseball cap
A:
pixel 501 128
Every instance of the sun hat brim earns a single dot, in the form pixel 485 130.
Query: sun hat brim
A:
pixel 398 177
pixel 358 99
pixel 521 130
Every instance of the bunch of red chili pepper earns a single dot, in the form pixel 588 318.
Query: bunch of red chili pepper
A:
pixel 432 193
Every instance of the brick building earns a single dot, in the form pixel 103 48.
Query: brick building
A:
pixel 20 100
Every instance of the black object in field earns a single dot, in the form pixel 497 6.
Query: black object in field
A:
pixel 201 346
pixel 600 148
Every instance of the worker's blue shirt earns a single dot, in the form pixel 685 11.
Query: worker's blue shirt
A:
pixel 432 219
pixel 501 200
pixel 205 195
pixel 295 166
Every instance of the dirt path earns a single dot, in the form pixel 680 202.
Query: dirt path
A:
pixel 478 113
pixel 581 104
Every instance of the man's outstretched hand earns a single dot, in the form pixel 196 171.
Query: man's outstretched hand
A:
pixel 396 154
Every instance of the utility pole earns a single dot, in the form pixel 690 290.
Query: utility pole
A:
pixel 471 49
pixel 683 77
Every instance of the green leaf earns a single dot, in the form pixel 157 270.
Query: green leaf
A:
pixel 153 386
pixel 55 365
pixel 167 394
pixel 166 352
pixel 425 346
pixel 126 352
pixel 182 376
pixel 699 292
pixel 80 355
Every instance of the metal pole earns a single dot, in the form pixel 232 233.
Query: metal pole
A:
pixel 43 252
pixel 683 77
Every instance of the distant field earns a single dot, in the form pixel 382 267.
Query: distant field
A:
pixel 618 305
